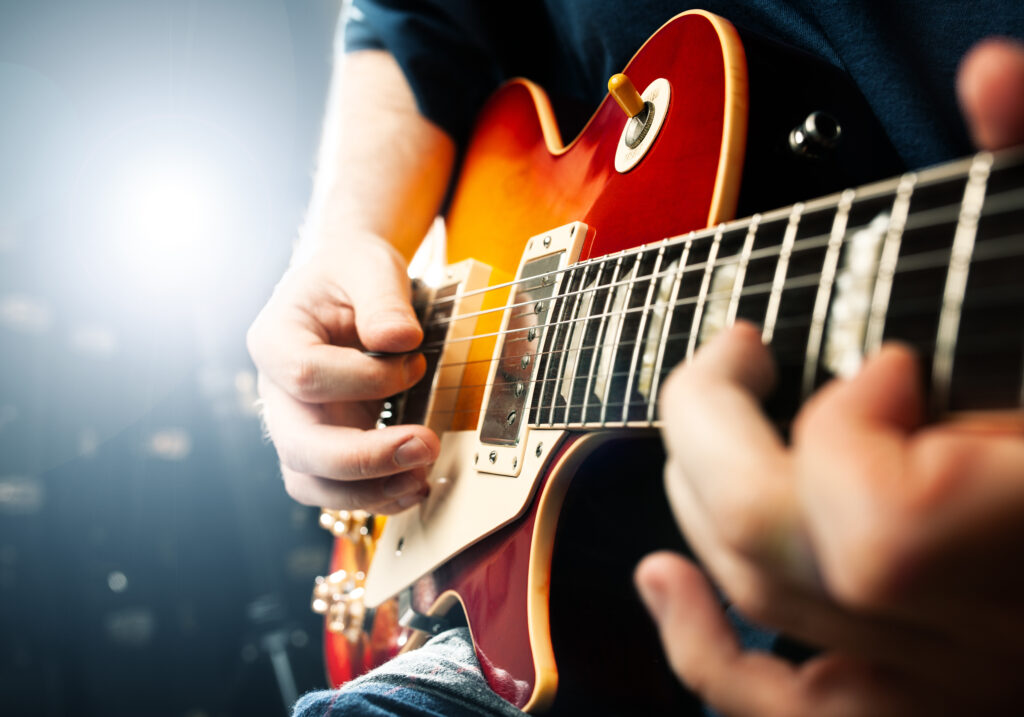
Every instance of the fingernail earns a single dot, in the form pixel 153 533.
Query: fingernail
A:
pixel 413 452
pixel 653 595
pixel 400 485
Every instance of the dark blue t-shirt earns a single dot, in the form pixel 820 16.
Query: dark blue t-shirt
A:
pixel 902 54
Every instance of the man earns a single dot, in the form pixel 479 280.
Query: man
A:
pixel 391 142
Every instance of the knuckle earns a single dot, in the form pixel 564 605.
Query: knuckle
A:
pixel 295 485
pixel 304 380
pixel 384 379
pixel 744 524
pixel 866 568
pixel 291 458
pixel 941 467
pixel 811 416
pixel 678 392
pixel 363 462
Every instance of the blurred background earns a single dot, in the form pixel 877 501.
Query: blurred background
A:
pixel 155 161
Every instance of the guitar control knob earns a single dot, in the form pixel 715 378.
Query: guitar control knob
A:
pixel 818 135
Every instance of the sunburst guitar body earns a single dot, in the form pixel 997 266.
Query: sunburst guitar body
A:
pixel 579 275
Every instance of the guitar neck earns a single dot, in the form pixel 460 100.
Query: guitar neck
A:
pixel 933 259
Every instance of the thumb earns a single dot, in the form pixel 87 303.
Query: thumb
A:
pixel 695 634
pixel 991 88
pixel 377 283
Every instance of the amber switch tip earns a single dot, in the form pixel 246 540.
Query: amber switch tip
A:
pixel 622 89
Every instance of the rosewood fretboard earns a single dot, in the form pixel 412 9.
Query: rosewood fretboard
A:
pixel 934 259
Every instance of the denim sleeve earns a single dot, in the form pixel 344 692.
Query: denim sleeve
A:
pixel 440 679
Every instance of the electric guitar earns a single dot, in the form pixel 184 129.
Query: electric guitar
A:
pixel 581 274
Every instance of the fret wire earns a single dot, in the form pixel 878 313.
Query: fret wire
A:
pixel 643 322
pixel 741 270
pixel 922 347
pixel 600 335
pixel 698 310
pixel 1007 200
pixel 821 300
pixel 923 260
pixel 887 265
pixel 665 371
pixel 927 177
pixel 956 279
pixel 799 245
pixel 583 338
pixel 614 347
pixel 990 249
pixel 561 362
pixel 772 312
pixel 791 323
pixel 641 402
pixel 667 327
pixel 948 214
pixel 802 245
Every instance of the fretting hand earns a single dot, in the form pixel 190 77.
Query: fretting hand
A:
pixel 890 544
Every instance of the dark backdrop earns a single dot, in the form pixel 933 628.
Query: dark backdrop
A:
pixel 155 160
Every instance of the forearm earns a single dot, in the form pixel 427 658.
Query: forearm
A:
pixel 383 169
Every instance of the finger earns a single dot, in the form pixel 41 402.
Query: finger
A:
pixel 383 496
pixel 850 447
pixel 307 445
pixel 298 358
pixel 782 593
pixel 886 392
pixel 991 88
pixel 964 519
pixel 894 512
pixel 704 653
pixel 377 283
pixel 710 407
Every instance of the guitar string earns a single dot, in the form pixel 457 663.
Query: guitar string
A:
pixel 985 250
pixel 782 325
pixel 595 402
pixel 681 337
pixel 907 263
pixel 796 353
pixel 926 180
pixel 925 219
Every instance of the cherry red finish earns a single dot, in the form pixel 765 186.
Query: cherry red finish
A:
pixel 512 187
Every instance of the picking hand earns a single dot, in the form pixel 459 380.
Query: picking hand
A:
pixel 322 394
